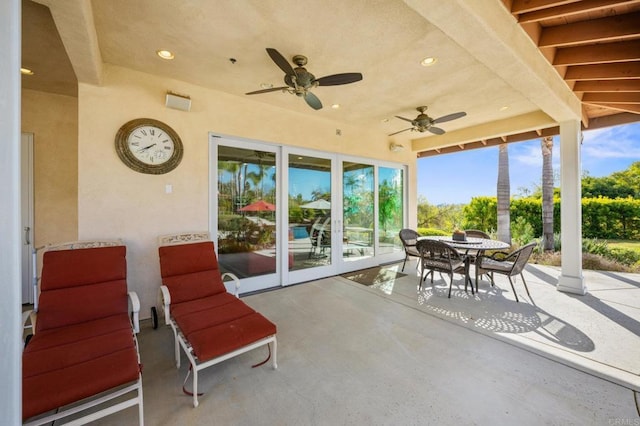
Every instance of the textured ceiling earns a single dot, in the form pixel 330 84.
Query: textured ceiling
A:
pixel 485 60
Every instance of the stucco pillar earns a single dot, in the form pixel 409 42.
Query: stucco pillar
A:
pixel 571 279
pixel 10 245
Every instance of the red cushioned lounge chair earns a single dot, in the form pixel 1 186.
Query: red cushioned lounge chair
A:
pixel 210 324
pixel 83 350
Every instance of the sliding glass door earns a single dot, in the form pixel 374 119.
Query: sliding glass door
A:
pixel 247 203
pixel 311 238
pixel 283 215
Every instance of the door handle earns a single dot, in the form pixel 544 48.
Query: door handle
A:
pixel 27 241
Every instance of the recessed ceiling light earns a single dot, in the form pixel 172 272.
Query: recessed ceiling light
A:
pixel 26 71
pixel 165 54
pixel 428 61
pixel 266 85
pixel 335 106
pixel 504 108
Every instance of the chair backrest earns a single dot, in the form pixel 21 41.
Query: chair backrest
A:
pixel 522 256
pixel 476 233
pixel 80 285
pixel 437 250
pixel 409 237
pixel 190 271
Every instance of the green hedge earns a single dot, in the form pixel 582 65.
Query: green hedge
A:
pixel 601 217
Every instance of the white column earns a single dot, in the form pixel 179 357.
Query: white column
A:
pixel 10 287
pixel 571 279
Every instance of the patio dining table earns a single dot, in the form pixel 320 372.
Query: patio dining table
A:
pixel 477 245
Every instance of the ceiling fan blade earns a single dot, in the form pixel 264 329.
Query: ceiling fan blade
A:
pixel 280 61
pixel 436 130
pixel 405 119
pixel 273 89
pixel 404 130
pixel 450 117
pixel 337 79
pixel 313 100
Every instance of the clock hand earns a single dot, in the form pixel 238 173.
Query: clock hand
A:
pixel 146 148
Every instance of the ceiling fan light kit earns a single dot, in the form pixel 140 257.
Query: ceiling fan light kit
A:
pixel 424 123
pixel 299 81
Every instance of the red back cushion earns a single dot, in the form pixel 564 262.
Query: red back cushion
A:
pixel 70 268
pixel 82 285
pixel 190 271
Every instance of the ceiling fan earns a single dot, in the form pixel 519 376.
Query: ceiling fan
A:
pixel 423 122
pixel 298 80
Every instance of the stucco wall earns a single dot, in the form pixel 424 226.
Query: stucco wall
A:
pixel 114 201
pixel 53 119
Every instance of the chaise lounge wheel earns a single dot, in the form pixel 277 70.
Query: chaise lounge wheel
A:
pixel 154 317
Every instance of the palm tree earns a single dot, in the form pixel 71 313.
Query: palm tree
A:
pixel 504 195
pixel 547 193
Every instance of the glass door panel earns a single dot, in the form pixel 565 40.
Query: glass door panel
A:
pixel 246 211
pixel 309 218
pixel 390 209
pixel 358 201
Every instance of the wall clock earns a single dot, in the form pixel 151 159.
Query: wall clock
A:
pixel 149 146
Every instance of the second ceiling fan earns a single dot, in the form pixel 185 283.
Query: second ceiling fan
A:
pixel 424 123
pixel 298 80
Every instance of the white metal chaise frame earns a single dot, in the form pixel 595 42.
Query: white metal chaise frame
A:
pixel 164 300
pixel 30 316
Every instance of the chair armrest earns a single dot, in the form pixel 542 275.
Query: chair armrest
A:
pixel 236 281
pixel 164 297
pixel 135 310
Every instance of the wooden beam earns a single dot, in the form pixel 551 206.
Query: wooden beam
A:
pixel 595 123
pixel 619 27
pixel 524 6
pixel 613 120
pixel 565 10
pixel 633 108
pixel 598 53
pixel 623 70
pixel 612 98
pixel 607 86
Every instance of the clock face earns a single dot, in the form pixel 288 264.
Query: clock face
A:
pixel 149 146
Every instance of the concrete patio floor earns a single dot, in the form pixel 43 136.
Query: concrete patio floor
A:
pixel 388 355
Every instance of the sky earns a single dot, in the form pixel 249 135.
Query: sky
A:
pixel 457 177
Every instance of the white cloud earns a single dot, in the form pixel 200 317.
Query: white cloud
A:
pixel 612 142
pixel 529 154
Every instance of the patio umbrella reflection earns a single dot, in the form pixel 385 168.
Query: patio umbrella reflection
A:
pixel 320 204
pixel 258 206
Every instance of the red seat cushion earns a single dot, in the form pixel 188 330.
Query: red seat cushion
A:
pixel 202 304
pixel 218 340
pixel 38 359
pixel 194 321
pixel 78 332
pixel 56 388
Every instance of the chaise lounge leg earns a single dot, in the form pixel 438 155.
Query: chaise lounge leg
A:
pixel 195 387
pixel 140 403
pixel 275 353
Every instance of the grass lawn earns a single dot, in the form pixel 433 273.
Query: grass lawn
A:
pixel 625 244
